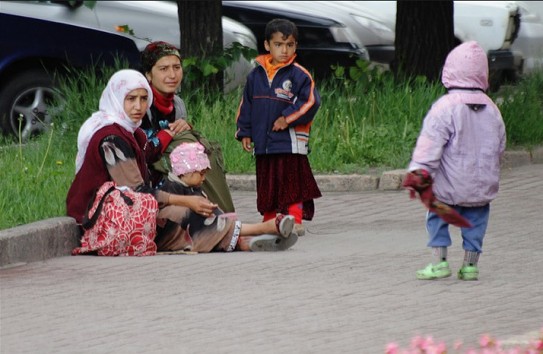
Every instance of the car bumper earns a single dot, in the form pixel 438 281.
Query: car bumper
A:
pixel 503 60
pixel 383 54
pixel 321 60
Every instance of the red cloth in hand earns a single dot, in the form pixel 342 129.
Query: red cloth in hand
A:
pixel 420 181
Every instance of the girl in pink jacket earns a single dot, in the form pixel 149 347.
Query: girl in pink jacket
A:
pixel 460 147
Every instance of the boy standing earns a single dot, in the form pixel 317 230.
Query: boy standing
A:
pixel 274 121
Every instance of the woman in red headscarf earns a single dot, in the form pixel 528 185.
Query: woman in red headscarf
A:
pixel 166 123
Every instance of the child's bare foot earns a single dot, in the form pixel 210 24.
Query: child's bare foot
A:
pixel 299 229
pixel 244 243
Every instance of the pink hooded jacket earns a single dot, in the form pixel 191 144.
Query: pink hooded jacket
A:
pixel 463 135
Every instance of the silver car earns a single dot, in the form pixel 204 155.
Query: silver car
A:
pixel 368 26
pixel 158 20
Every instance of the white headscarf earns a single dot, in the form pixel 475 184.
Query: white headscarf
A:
pixel 111 109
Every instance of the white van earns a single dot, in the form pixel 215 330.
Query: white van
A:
pixel 493 24
pixel 529 41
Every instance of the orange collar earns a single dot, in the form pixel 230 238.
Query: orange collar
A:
pixel 266 59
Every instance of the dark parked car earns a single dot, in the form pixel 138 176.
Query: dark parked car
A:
pixel 33 51
pixel 322 41
pixel 47 35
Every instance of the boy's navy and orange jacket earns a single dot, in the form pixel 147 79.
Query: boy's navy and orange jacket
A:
pixel 290 93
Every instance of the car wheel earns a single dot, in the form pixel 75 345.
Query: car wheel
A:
pixel 27 104
pixel 495 80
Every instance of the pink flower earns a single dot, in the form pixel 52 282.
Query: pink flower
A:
pixel 391 348
pixel 457 345
pixel 440 348
pixel 425 343
pixel 487 341
pixel 487 345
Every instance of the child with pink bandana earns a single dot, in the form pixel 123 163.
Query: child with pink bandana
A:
pixel 219 231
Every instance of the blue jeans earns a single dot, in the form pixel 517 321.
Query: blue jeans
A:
pixel 438 230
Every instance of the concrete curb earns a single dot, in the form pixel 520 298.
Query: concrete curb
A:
pixel 38 241
pixel 389 180
pixel 57 237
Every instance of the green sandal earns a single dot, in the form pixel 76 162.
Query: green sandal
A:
pixel 468 273
pixel 440 270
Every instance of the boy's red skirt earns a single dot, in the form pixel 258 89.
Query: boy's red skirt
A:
pixel 285 179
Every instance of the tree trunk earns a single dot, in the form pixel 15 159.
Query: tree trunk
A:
pixel 200 24
pixel 424 37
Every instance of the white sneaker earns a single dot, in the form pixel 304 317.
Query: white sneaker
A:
pixel 270 243
pixel 284 224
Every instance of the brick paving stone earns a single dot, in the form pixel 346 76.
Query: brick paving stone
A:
pixel 348 286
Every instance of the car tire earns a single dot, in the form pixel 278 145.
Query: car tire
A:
pixel 26 103
pixel 495 80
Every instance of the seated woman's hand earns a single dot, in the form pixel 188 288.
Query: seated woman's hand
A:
pixel 179 126
pixel 202 205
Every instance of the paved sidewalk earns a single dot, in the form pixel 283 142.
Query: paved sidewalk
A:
pixel 348 286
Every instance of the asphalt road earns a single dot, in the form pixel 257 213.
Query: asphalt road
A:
pixel 348 286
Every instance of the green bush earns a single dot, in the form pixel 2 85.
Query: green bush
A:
pixel 367 124
pixel 521 107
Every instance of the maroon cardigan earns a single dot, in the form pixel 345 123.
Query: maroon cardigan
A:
pixel 93 172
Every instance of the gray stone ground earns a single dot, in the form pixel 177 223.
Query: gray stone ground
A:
pixel 348 286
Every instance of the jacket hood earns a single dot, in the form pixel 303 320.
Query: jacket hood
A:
pixel 466 67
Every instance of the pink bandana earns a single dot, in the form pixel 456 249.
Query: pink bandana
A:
pixel 189 157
